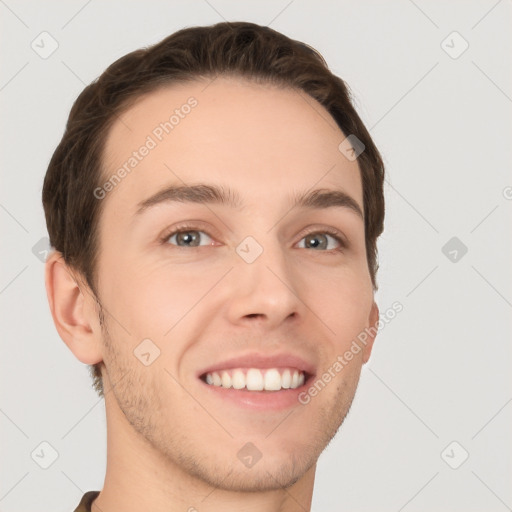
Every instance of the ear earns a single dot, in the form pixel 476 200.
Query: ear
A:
pixel 73 310
pixel 373 321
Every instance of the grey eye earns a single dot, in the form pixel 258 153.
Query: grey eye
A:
pixel 190 238
pixel 319 241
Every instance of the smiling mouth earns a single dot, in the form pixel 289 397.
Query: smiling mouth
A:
pixel 257 379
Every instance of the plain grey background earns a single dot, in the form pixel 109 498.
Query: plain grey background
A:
pixel 438 387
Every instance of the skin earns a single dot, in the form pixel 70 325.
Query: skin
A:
pixel 171 445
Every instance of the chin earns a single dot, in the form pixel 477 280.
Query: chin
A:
pixel 264 476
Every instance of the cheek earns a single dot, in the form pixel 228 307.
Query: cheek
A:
pixel 342 303
pixel 154 298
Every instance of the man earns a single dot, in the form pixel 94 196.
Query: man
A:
pixel 214 206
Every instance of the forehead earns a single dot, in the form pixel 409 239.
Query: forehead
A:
pixel 259 139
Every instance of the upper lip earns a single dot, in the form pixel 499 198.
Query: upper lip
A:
pixel 258 360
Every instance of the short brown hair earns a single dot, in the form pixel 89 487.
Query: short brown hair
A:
pixel 241 49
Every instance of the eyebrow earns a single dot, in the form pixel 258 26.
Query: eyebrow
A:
pixel 214 194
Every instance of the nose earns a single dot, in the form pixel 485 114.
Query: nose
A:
pixel 265 292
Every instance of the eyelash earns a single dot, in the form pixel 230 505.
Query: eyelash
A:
pixel 183 228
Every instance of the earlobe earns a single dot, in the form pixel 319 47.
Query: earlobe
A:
pixel 72 315
pixel 371 331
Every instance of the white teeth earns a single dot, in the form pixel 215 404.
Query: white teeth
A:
pixel 286 379
pixel 295 379
pixel 216 379
pixel 238 379
pixel 272 380
pixel 255 379
pixel 226 380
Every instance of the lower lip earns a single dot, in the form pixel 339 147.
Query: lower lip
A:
pixel 259 400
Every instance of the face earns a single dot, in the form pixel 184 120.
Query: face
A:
pixel 232 256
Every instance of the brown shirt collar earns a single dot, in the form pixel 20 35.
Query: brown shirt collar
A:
pixel 86 501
